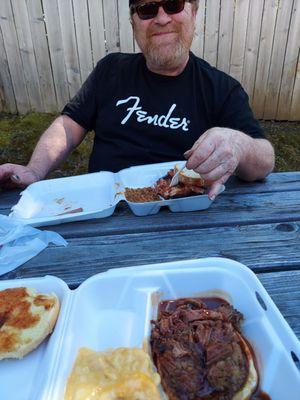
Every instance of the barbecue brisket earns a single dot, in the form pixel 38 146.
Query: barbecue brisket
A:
pixel 197 348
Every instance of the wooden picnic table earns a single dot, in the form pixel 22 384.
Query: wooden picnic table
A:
pixel 257 224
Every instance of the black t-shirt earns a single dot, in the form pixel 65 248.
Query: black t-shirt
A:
pixel 140 117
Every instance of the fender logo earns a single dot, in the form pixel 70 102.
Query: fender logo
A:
pixel 165 121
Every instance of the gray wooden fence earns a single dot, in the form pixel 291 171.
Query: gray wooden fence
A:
pixel 48 48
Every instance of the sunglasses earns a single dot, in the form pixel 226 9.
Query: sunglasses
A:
pixel 150 10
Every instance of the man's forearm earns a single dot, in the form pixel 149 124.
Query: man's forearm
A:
pixel 257 161
pixel 55 145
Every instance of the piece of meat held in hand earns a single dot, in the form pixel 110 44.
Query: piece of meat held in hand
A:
pixel 26 319
pixel 189 183
pixel 200 353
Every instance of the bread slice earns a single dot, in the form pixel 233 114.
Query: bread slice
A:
pixel 26 319
pixel 252 381
pixel 189 177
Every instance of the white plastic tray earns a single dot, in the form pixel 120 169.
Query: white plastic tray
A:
pixel 52 201
pixel 114 309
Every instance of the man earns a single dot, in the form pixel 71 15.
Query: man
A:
pixel 159 105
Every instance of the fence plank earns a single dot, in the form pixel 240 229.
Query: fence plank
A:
pixel 225 34
pixel 27 54
pixel 81 17
pixel 69 45
pixel 239 39
pixel 56 52
pixel 111 25
pixel 40 45
pixel 295 107
pixel 13 56
pixel 97 29
pixel 198 42
pixel 252 44
pixel 7 96
pixel 126 36
pixel 277 60
pixel 290 65
pixel 264 57
pixel 211 31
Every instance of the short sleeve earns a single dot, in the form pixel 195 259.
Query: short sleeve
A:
pixel 82 107
pixel 236 113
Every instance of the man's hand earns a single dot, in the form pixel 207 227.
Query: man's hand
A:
pixel 217 154
pixel 13 175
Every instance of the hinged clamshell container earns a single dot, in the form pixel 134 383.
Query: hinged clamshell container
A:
pixel 114 309
pixel 96 195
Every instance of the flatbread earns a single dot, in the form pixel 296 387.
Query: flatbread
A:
pixel 26 319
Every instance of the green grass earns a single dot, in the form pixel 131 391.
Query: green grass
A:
pixel 19 134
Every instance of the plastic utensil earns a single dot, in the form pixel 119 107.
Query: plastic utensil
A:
pixel 175 178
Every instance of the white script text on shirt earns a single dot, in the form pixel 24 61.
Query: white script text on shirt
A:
pixel 164 121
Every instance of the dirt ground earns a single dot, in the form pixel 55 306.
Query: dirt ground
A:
pixel 19 134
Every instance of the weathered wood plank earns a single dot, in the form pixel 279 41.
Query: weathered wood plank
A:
pixel 295 106
pixel 276 182
pixel 225 35
pixel 12 51
pixel 84 47
pixel 97 29
pixel 277 60
pixel 252 46
pixel 250 245
pixel 22 23
pixel 56 50
pixel 284 289
pixel 70 46
pixel 7 199
pixel 212 31
pixel 126 34
pixel 290 65
pixel 264 57
pixel 110 12
pixel 239 39
pixel 226 211
pixel 7 97
pixel 40 44
pixel 198 42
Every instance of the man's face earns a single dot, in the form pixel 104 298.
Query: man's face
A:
pixel 165 40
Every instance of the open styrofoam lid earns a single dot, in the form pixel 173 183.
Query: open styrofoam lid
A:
pixel 96 195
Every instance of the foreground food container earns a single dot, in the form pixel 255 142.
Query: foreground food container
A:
pixel 96 195
pixel 114 309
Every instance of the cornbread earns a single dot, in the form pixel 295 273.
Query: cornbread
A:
pixel 26 319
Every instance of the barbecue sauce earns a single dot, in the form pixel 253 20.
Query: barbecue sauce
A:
pixel 209 303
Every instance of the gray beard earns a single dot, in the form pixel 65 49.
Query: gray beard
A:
pixel 166 60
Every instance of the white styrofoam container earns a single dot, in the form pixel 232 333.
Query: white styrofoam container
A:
pixel 114 309
pixel 51 201
pixel 25 379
